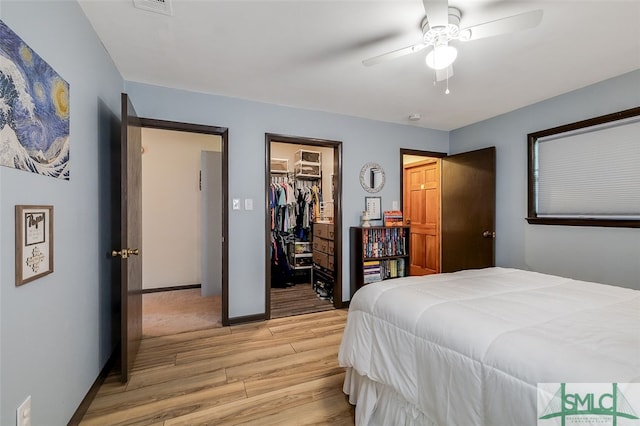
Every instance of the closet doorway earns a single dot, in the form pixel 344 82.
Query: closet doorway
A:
pixel 182 230
pixel 303 229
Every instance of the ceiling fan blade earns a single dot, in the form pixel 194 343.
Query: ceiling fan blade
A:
pixel 445 73
pixel 437 12
pixel 511 24
pixel 395 54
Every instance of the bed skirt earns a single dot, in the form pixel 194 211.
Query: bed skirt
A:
pixel 378 404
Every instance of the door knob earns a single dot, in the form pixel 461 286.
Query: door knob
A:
pixel 489 234
pixel 124 253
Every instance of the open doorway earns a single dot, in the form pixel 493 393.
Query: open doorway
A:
pixel 421 206
pixel 303 225
pixel 182 231
pixel 449 203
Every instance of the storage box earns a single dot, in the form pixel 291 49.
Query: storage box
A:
pixel 305 169
pixel 279 165
pixel 308 156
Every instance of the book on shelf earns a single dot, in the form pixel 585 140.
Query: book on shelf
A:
pixel 390 268
pixel 384 242
pixel 392 218
pixel 401 268
pixel 371 271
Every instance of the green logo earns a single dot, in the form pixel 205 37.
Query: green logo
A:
pixel 588 404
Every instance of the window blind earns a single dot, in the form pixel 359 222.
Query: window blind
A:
pixel 590 174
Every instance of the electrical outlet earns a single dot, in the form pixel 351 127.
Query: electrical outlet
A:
pixel 236 204
pixel 23 414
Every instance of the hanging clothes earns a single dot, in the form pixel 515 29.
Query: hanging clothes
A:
pixel 281 271
pixel 293 206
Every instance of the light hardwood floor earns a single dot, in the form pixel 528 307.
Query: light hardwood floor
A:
pixel 279 372
pixel 296 300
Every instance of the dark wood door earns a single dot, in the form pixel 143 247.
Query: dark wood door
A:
pixel 468 210
pixel 422 214
pixel 130 236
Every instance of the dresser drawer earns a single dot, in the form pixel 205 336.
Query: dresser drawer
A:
pixel 323 230
pixel 321 259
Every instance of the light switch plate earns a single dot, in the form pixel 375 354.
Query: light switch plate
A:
pixel 394 205
pixel 248 204
pixel 23 414
pixel 236 204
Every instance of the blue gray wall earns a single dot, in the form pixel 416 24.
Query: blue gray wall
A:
pixel 608 255
pixel 55 331
pixel 363 141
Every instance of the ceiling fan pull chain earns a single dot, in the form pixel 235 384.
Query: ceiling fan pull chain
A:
pixel 446 92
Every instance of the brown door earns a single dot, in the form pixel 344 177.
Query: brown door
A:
pixel 130 236
pixel 422 213
pixel 468 210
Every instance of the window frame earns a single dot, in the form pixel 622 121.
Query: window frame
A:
pixel 532 138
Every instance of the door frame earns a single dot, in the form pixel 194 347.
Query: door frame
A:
pixel 223 132
pixel 421 153
pixel 421 228
pixel 406 151
pixel 337 210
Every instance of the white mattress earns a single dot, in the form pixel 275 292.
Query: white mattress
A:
pixel 469 348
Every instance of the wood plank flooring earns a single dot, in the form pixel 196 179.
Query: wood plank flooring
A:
pixel 296 300
pixel 278 372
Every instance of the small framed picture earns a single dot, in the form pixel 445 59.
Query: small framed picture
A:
pixel 34 242
pixel 373 206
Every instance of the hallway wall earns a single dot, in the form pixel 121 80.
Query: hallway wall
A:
pixel 171 206
pixel 56 331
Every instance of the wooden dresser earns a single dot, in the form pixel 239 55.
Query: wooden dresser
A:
pixel 323 259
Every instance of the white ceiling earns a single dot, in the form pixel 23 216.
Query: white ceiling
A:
pixel 307 53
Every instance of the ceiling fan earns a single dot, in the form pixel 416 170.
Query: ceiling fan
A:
pixel 441 26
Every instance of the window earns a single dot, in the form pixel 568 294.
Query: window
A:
pixel 586 173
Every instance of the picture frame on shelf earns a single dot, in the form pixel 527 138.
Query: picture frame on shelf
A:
pixel 34 242
pixel 373 206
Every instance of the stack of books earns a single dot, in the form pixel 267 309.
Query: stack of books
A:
pixel 392 218
pixel 372 271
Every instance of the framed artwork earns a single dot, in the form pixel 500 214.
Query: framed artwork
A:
pixel 34 110
pixel 34 243
pixel 373 206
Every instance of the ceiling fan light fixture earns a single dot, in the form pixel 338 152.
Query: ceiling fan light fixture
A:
pixel 441 56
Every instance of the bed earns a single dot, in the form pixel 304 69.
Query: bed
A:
pixel 469 348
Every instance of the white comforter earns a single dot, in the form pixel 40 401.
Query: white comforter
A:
pixel 468 348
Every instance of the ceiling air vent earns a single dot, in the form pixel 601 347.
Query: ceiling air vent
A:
pixel 158 6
